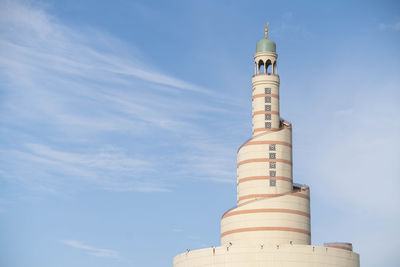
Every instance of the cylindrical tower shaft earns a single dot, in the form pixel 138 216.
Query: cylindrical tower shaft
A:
pixel 270 210
pixel 265 99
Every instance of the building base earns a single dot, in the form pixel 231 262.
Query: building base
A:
pixel 268 255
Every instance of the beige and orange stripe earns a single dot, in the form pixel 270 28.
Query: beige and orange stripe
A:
pixel 272 195
pixel 290 211
pixel 264 133
pixel 265 130
pixel 263 160
pixel 258 136
pixel 255 178
pixel 261 112
pixel 255 88
pixel 264 95
pixel 252 229
pixel 266 143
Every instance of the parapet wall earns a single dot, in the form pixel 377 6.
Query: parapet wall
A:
pixel 279 255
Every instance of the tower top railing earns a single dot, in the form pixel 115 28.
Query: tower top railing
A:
pixel 268 74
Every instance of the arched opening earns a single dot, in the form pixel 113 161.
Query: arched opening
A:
pixel 268 67
pixel 275 70
pixel 261 67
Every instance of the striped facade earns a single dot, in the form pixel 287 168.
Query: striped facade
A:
pixel 271 222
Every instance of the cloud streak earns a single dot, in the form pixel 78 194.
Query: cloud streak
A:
pixel 97 252
pixel 80 105
pixel 108 169
pixel 390 26
pixel 350 147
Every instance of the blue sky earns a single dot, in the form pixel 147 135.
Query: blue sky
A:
pixel 120 122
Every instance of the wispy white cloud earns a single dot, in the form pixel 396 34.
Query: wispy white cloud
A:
pixel 103 160
pixel 349 149
pixel 98 252
pixel 3 203
pixel 62 70
pixel 346 147
pixel 108 168
pixel 286 27
pixel 31 32
pixel 390 26
pixel 364 157
pixel 287 15
pixel 212 162
pixel 70 93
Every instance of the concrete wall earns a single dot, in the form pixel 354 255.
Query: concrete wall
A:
pixel 283 219
pixel 254 169
pixel 273 256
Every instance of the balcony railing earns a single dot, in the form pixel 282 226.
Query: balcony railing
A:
pixel 265 74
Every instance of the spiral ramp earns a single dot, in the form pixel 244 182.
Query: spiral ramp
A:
pixel 270 224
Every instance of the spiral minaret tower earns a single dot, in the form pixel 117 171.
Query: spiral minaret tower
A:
pixel 270 225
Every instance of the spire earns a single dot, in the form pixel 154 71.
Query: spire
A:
pixel 266 44
pixel 266 31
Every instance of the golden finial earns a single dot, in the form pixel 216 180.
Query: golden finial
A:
pixel 266 31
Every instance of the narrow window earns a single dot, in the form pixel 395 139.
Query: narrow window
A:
pixel 272 173
pixel 272 156
pixel 267 91
pixel 272 182
pixel 272 147
pixel 267 117
pixel 267 125
pixel 267 107
pixel 272 165
pixel 267 99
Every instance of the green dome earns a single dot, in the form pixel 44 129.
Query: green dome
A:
pixel 266 45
